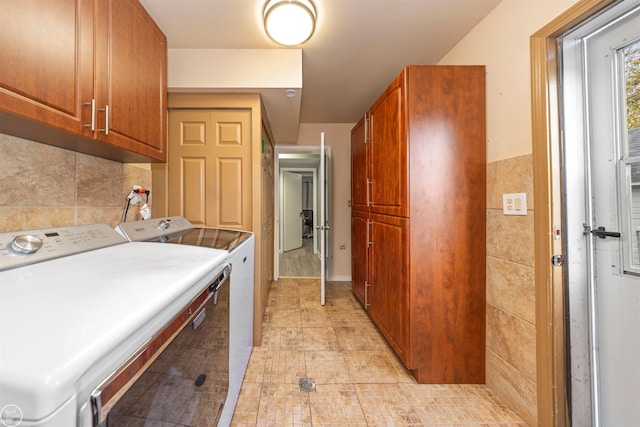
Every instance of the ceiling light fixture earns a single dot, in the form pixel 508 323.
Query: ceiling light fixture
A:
pixel 289 22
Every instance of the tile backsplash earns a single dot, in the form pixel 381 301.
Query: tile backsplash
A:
pixel 44 186
pixel 511 323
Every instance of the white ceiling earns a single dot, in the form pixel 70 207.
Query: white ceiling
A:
pixel 359 45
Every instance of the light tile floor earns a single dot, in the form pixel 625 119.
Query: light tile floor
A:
pixel 359 380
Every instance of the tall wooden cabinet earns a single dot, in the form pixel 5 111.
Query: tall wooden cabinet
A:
pixel 418 162
pixel 219 173
pixel 87 75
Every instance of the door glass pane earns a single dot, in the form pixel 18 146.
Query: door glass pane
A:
pixel 632 88
pixel 631 166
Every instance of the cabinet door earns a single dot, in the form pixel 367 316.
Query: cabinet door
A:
pixel 131 61
pixel 46 71
pixel 388 275
pixel 359 169
pixel 388 153
pixel 359 255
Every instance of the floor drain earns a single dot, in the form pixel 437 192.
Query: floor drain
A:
pixel 307 384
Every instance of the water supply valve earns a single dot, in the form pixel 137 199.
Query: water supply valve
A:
pixel 135 197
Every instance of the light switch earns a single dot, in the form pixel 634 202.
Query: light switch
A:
pixel 514 204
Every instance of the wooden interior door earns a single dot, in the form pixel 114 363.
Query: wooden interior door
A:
pixel 292 216
pixel 209 171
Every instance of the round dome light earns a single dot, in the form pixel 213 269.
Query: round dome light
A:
pixel 289 22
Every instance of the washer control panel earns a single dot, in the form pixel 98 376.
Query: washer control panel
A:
pixel 153 229
pixel 20 248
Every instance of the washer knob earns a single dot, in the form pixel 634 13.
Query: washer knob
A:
pixel 163 225
pixel 26 244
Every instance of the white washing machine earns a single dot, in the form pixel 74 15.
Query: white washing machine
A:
pixel 84 313
pixel 240 247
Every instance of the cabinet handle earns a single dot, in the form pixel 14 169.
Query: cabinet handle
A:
pixel 367 233
pixel 92 125
pixel 106 120
pixel 370 182
pixel 366 126
pixel 366 294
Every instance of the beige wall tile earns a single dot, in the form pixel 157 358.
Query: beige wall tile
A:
pixel 134 175
pixel 510 237
pixel 513 339
pixel 513 175
pixel 43 186
pixel 99 215
pixel 511 287
pixel 513 388
pixel 511 349
pixel 99 182
pixel 34 174
pixel 30 218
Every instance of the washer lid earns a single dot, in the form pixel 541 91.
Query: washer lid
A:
pixel 209 237
pixel 66 324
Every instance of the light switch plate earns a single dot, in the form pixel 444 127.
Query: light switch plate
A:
pixel 514 204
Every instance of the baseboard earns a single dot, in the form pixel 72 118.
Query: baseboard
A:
pixel 340 279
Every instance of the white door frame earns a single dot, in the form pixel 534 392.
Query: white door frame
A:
pixel 585 75
pixel 279 201
pixel 286 149
pixel 548 221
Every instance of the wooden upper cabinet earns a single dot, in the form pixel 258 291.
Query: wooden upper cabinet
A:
pixel 388 148
pixel 47 61
pixel 359 167
pixel 131 78
pixel 87 75
pixel 379 156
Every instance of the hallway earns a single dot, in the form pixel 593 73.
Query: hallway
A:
pixel 359 380
pixel 300 262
